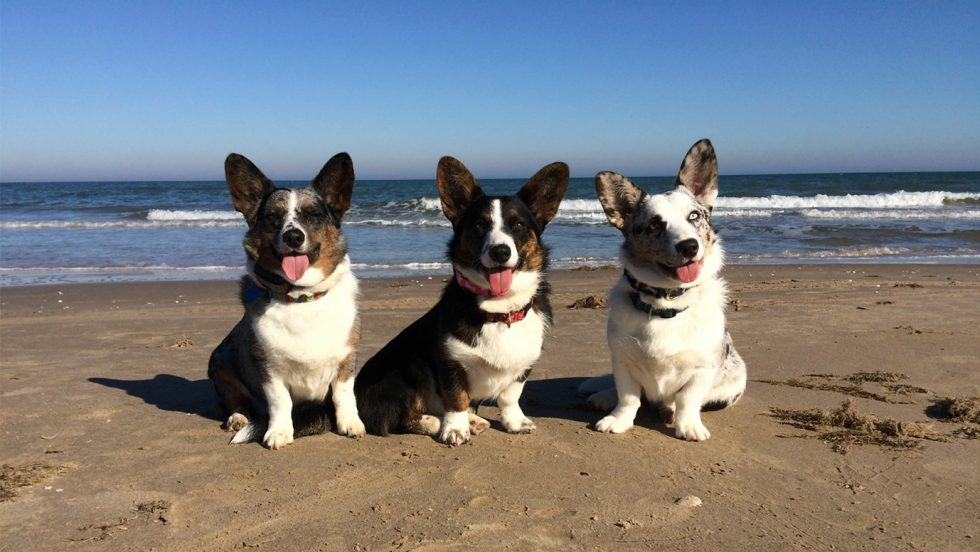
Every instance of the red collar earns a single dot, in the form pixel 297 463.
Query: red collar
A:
pixel 509 317
pixel 505 317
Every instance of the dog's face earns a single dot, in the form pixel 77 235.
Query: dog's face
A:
pixel 498 239
pixel 668 236
pixel 294 233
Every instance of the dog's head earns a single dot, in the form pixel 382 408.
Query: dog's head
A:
pixel 293 233
pixel 668 237
pixel 496 240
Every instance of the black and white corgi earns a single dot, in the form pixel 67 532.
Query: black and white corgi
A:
pixel 482 337
pixel 298 337
pixel 666 327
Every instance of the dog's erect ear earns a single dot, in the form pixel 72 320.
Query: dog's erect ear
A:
pixel 335 183
pixel 246 184
pixel 618 196
pixel 699 172
pixel 544 191
pixel 457 188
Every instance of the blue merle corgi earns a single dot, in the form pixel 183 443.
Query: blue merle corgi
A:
pixel 482 337
pixel 296 342
pixel 666 328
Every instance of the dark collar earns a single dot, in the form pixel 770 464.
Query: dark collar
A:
pixel 659 293
pixel 651 310
pixel 509 317
pixel 505 317
pixel 275 287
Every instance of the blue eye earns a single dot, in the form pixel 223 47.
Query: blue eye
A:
pixel 694 216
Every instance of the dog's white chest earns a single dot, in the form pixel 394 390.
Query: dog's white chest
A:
pixel 305 342
pixel 499 355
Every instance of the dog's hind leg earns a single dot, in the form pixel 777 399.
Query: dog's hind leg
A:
pixel 232 394
pixel 594 385
pixel 729 383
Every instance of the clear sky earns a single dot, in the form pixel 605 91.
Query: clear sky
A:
pixel 142 90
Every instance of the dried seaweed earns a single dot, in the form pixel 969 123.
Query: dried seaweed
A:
pixel 13 478
pixel 589 302
pixel 853 385
pixel 964 409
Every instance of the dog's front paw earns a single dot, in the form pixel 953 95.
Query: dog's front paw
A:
pixel 612 424
pixel 351 428
pixel 235 422
pixel 454 436
pixel 519 425
pixel 277 438
pixel 478 425
pixel 691 430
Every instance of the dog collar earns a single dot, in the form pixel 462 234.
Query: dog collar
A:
pixel 651 310
pixel 659 293
pixel 509 317
pixel 274 287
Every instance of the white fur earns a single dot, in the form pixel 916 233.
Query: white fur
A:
pixel 497 236
pixel 673 360
pixel 304 345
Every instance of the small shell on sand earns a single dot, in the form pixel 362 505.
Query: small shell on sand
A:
pixel 689 501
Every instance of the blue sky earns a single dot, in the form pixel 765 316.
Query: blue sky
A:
pixel 164 90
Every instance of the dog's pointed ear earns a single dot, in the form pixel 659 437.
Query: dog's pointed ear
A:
pixel 457 188
pixel 246 184
pixel 699 172
pixel 544 191
pixel 335 183
pixel 618 196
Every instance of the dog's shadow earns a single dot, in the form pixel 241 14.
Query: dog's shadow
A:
pixel 558 398
pixel 170 393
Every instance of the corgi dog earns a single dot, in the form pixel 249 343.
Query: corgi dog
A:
pixel 296 342
pixel 486 331
pixel 666 328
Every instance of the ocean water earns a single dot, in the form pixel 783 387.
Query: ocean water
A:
pixel 130 231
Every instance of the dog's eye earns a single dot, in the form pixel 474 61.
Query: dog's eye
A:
pixel 482 227
pixel 656 226
pixel 694 216
pixel 517 225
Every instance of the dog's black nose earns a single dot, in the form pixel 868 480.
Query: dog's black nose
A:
pixel 293 237
pixel 688 247
pixel 500 253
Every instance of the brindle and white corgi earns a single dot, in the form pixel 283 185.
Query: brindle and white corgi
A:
pixel 482 337
pixel 297 339
pixel 666 328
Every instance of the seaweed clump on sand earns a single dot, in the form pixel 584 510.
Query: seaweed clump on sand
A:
pixel 589 302
pixel 957 409
pixel 12 478
pixel 844 427
pixel 853 385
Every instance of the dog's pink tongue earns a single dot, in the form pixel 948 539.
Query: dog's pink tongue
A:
pixel 294 266
pixel 689 272
pixel 500 280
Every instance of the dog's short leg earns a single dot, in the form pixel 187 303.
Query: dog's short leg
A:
pixel 628 392
pixel 280 432
pixel 348 421
pixel 511 414
pixel 687 417
pixel 455 428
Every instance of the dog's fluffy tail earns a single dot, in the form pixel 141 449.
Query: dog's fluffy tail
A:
pixel 308 419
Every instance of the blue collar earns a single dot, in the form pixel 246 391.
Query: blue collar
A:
pixel 651 310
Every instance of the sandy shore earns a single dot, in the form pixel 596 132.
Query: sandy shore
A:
pixel 111 440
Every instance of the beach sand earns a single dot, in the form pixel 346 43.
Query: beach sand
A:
pixel 111 440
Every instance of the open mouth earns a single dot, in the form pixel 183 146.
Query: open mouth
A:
pixel 686 273
pixel 295 265
pixel 500 279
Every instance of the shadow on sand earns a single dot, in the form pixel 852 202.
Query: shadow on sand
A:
pixel 171 393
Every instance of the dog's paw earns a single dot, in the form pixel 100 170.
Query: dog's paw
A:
pixel 519 425
pixel 277 438
pixel 691 430
pixel 351 428
pixel 235 422
pixel 603 401
pixel 612 424
pixel 478 425
pixel 454 436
